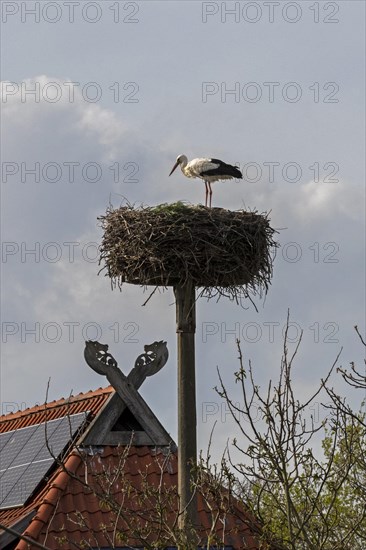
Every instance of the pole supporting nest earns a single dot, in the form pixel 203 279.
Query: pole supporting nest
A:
pixel 187 420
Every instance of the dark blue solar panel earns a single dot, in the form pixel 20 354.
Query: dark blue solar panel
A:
pixel 25 457
pixel 15 446
pixel 36 443
pixel 13 489
pixel 4 440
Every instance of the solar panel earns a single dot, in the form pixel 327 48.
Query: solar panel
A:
pixel 4 440
pixel 25 457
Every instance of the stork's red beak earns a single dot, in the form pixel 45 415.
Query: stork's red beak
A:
pixel 174 167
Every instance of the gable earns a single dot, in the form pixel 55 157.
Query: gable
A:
pixel 126 419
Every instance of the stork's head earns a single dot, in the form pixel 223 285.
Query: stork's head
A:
pixel 181 160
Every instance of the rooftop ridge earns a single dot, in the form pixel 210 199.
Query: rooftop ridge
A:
pixel 62 402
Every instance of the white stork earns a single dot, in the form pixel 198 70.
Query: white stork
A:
pixel 208 170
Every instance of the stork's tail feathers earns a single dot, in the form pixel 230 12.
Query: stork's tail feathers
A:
pixel 233 171
pixel 236 173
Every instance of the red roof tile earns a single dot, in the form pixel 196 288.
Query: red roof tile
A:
pixel 50 500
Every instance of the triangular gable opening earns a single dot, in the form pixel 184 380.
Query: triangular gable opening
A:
pixel 121 424
pixel 127 422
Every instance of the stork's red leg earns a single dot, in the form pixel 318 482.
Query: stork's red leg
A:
pixel 206 193
pixel 210 191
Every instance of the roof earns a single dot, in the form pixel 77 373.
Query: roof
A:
pixel 91 401
pixel 79 513
pixel 67 516
pixel 66 512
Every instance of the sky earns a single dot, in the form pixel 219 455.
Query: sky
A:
pixel 98 99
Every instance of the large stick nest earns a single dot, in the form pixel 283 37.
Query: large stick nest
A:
pixel 223 252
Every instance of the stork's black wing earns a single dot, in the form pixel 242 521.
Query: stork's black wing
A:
pixel 223 169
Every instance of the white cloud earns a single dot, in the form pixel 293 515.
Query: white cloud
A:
pixel 72 114
pixel 326 201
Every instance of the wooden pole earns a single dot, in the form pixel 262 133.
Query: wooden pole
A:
pixel 187 421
